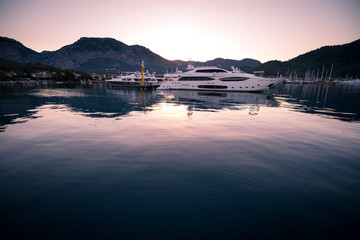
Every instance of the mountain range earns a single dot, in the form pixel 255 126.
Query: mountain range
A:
pixel 103 55
pixel 108 55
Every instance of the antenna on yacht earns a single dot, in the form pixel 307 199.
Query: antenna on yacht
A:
pixel 190 66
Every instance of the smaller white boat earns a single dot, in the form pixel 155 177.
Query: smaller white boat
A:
pixel 135 80
pixel 350 82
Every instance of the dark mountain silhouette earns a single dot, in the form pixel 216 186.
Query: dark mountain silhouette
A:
pixel 98 54
pixel 344 58
pixel 13 50
pixel 106 55
pixel 246 64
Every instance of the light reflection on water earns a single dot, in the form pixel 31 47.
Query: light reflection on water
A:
pixel 92 162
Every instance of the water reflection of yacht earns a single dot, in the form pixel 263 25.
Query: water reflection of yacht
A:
pixel 214 100
pixel 214 78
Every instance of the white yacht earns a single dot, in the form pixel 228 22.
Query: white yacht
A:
pixel 214 78
pixel 134 80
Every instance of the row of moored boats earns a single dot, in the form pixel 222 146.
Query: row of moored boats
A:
pixel 198 78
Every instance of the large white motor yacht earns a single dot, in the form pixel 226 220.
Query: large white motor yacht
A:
pixel 214 78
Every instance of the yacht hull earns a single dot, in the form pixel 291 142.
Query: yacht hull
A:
pixel 250 85
pixel 135 85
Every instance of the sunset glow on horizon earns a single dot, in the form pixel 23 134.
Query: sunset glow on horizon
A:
pixel 202 30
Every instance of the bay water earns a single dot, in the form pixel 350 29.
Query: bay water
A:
pixel 91 162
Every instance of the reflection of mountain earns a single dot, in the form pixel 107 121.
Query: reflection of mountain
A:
pixel 16 106
pixel 212 101
pixel 21 103
pixel 101 101
pixel 340 102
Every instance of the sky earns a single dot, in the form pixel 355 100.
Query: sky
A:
pixel 197 29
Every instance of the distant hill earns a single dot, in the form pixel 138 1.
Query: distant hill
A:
pixel 344 58
pixel 103 55
pixel 13 50
pixel 98 54
pixel 246 64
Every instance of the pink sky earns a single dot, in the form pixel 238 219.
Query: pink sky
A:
pixel 202 29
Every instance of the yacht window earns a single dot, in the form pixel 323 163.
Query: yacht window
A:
pixel 212 86
pixel 233 79
pixel 211 71
pixel 196 79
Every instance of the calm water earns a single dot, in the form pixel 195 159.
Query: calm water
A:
pixel 96 163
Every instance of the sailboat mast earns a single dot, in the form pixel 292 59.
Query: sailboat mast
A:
pixel 142 73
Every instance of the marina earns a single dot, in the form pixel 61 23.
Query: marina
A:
pixel 190 120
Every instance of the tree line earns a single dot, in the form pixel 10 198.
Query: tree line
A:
pixel 10 70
